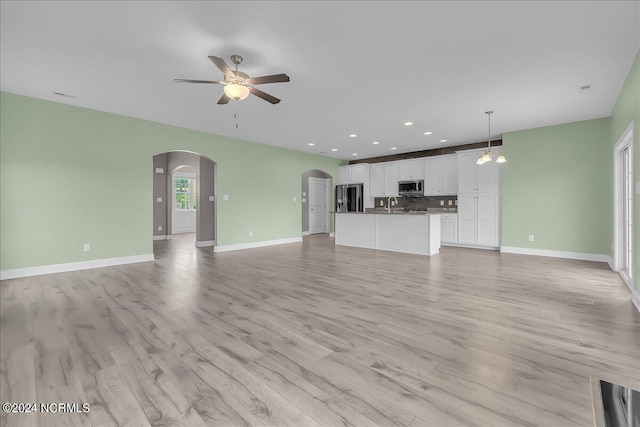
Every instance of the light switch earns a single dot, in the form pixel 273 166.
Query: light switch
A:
pixel 87 247
pixel 295 199
pixel 159 170
pixel 225 197
pixel 212 198
pixel 441 202
pixel 450 202
pixel 159 199
pixel 159 228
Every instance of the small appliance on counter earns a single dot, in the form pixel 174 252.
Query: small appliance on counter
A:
pixel 414 188
pixel 349 198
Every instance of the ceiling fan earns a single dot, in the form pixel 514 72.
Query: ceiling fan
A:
pixel 238 85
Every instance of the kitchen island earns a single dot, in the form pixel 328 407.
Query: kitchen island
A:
pixel 413 233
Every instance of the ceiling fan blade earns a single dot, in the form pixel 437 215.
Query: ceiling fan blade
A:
pixel 222 65
pixel 275 78
pixel 197 81
pixel 265 96
pixel 224 100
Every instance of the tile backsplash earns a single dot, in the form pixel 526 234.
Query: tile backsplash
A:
pixel 421 203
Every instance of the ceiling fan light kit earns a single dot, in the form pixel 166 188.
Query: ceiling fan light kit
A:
pixel 238 85
pixel 487 156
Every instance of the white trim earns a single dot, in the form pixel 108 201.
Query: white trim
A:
pixel 227 248
pixel 162 237
pixel 461 245
pixel 635 299
pixel 205 243
pixel 306 233
pixel 72 266
pixel 626 139
pixel 556 254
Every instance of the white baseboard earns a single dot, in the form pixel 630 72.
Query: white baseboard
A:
pixel 635 299
pixel 162 237
pixel 462 245
pixel 306 233
pixel 72 266
pixel 227 248
pixel 556 254
pixel 205 243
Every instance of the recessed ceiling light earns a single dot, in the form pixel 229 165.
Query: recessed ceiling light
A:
pixel 443 140
pixel 394 148
pixel 354 154
pixel 376 142
pixel 311 143
pixel 353 135
pixel 334 149
pixel 427 133
pixel 408 123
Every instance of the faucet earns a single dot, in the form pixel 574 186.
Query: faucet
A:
pixel 389 203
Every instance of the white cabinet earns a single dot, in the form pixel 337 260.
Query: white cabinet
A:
pixel 440 175
pixel 478 200
pixel 449 228
pixel 391 178
pixel 376 179
pixel 473 177
pixel 353 174
pixel 411 169
pixel 478 219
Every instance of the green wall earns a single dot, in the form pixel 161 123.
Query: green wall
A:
pixel 70 176
pixel 627 110
pixel 556 186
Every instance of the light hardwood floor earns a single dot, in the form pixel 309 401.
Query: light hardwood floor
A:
pixel 311 334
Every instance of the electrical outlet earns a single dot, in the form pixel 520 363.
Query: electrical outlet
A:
pixel 295 199
pixel 531 238
pixel 159 228
pixel 450 202
pixel 304 193
pixel 212 198
pixel 225 197
pixel 159 199
pixel 441 202
pixel 250 233
pixel 87 247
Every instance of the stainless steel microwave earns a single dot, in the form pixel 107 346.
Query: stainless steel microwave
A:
pixel 413 188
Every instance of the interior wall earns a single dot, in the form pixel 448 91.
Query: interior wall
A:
pixel 304 195
pixel 160 193
pixel 555 186
pixel 85 176
pixel 626 111
pixel 206 212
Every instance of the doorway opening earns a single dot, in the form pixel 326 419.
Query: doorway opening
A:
pixel 184 197
pixel 316 202
pixel 623 254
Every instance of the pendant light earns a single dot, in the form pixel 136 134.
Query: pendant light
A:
pixel 487 156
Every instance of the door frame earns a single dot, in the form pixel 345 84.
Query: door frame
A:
pixel 626 140
pixel 327 224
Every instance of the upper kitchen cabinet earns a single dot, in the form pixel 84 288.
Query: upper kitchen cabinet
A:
pixel 476 178
pixel 376 179
pixel 391 178
pixel 354 174
pixel 411 169
pixel 440 175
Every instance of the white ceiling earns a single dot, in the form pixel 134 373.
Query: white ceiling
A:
pixel 362 67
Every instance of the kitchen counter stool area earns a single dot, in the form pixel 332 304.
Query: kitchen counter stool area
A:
pixel 414 234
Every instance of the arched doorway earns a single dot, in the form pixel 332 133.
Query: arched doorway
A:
pixel 316 198
pixel 184 197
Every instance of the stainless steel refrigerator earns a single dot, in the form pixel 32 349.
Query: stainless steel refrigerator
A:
pixel 349 198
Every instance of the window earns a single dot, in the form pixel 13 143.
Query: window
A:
pixel 184 190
